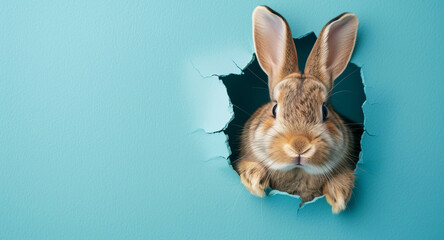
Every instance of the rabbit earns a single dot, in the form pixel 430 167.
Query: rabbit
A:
pixel 297 143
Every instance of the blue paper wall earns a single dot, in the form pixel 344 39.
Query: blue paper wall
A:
pixel 104 108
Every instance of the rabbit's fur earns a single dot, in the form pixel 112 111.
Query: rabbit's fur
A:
pixel 289 144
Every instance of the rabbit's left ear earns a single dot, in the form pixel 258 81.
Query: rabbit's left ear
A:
pixel 333 49
pixel 274 45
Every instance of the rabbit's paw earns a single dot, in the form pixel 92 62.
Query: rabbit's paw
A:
pixel 338 191
pixel 254 177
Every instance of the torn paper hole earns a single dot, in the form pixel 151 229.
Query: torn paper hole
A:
pixel 249 90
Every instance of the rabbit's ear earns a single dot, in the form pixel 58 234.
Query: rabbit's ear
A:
pixel 333 49
pixel 274 45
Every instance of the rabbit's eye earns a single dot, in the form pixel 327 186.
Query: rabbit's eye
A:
pixel 274 110
pixel 324 111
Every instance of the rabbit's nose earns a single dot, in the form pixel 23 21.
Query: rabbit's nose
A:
pixel 301 145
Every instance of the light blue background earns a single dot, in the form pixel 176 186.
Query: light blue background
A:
pixel 101 105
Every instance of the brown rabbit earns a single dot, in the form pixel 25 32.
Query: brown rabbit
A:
pixel 297 143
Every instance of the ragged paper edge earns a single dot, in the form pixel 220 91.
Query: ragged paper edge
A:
pixel 272 192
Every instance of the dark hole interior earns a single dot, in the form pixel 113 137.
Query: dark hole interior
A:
pixel 249 91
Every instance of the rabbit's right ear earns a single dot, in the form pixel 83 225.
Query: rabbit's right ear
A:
pixel 333 49
pixel 274 45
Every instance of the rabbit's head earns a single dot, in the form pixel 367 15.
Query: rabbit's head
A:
pixel 299 128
